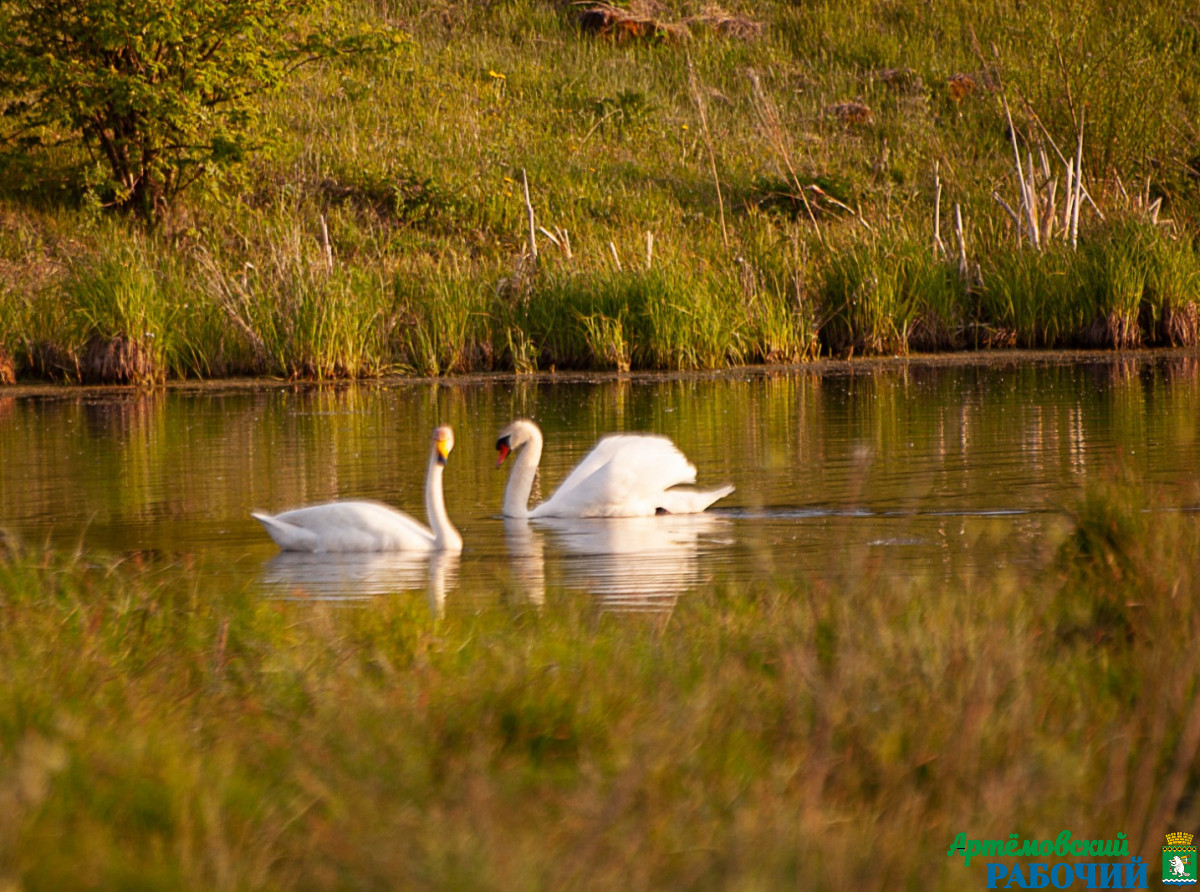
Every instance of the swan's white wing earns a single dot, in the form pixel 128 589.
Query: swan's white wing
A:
pixel 691 501
pixel 626 475
pixel 643 450
pixel 287 536
pixel 346 527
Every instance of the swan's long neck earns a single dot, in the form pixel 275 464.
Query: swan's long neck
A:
pixel 520 480
pixel 445 536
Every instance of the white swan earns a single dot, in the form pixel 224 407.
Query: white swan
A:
pixel 625 475
pixel 371 526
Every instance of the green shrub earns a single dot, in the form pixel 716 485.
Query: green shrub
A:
pixel 162 91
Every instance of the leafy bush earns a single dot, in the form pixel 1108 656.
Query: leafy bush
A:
pixel 160 91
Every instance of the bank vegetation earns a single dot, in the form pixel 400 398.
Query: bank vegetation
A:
pixel 411 187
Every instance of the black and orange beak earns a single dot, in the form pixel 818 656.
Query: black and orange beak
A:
pixel 443 442
pixel 502 447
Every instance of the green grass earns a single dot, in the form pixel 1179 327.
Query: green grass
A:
pixel 158 733
pixel 1119 290
pixel 642 318
pixel 816 235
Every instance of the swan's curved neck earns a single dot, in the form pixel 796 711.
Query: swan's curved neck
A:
pixel 445 536
pixel 520 480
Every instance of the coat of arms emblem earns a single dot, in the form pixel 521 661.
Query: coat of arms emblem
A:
pixel 1179 860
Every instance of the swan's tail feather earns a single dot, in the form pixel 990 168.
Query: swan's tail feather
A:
pixel 690 501
pixel 287 536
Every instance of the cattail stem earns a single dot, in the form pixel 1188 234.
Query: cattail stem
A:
pixel 533 251
pixel 325 244
pixel 938 248
pixel 962 241
pixel 1078 185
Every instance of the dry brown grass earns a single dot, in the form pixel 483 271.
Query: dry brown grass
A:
pixel 724 22
pixel 902 80
pixel 641 21
pixel 851 113
pixel 646 20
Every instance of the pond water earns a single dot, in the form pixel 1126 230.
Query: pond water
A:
pixel 917 470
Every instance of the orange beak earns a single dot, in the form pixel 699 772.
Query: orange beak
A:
pixel 503 449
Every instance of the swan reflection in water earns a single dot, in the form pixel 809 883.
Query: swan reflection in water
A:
pixel 630 564
pixel 358 576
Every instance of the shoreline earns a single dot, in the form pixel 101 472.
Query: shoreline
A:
pixel 854 365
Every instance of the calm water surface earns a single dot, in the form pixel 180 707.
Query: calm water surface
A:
pixel 905 472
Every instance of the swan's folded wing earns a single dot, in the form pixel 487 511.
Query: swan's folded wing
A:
pixel 348 527
pixel 287 536
pixel 624 476
pixel 691 501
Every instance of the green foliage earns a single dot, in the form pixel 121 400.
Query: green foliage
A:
pixel 824 195
pixel 1128 285
pixel 297 318
pixel 412 162
pixel 1109 63
pixel 161 92
pixel 1032 298
pixel 886 295
pixel 441 323
pixel 658 318
pixel 125 312
pixel 116 300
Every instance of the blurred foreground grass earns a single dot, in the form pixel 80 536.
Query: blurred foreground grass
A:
pixel 157 734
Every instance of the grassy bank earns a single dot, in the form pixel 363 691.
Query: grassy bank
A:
pixel 771 184
pixel 157 733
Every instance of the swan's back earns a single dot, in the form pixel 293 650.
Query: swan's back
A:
pixel 624 476
pixel 346 527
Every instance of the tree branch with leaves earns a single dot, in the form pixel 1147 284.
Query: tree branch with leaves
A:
pixel 159 92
